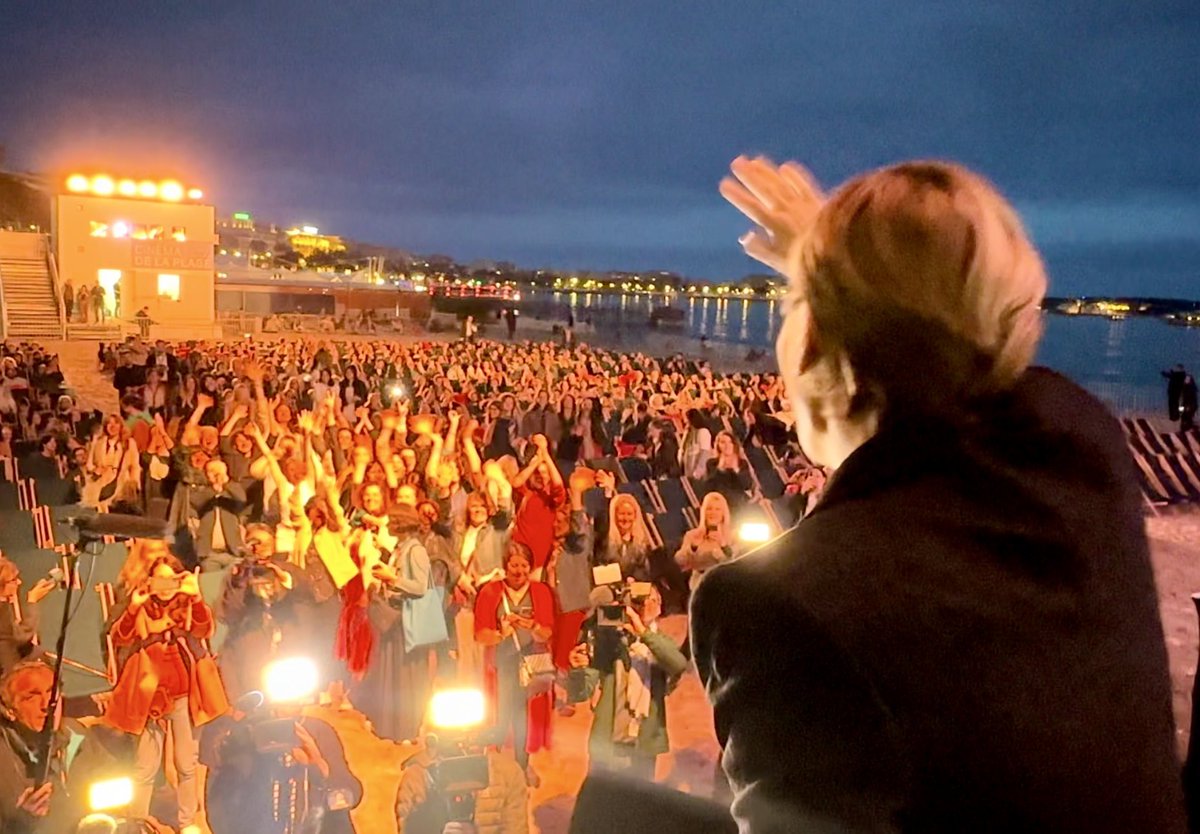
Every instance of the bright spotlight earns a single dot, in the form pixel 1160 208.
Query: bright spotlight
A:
pixel 754 532
pixel 195 194
pixel 147 189
pixel 103 185
pixel 127 188
pixel 120 229
pixel 291 680
pixel 457 709
pixel 110 793
pixel 170 190
pixel 77 183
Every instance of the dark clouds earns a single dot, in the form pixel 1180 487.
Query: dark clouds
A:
pixel 593 134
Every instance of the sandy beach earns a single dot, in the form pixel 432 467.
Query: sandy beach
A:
pixel 1175 548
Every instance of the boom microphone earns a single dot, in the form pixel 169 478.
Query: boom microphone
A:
pixel 601 596
pixel 119 526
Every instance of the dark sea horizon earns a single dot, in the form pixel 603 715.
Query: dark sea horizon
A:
pixel 1118 360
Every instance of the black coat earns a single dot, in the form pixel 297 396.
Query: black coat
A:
pixel 962 636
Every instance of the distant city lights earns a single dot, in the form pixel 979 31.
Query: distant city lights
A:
pixel 103 185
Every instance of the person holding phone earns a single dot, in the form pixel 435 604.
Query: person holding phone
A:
pixel 710 544
pixel 19 620
pixel 514 618
pixel 168 682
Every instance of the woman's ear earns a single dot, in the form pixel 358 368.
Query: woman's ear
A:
pixel 798 348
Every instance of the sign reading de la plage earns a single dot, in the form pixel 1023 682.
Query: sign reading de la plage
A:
pixel 170 254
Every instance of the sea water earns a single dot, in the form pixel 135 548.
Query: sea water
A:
pixel 1119 360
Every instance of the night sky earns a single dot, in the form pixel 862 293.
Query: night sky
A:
pixel 592 135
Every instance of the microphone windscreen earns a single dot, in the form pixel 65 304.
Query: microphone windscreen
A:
pixel 124 526
pixel 601 595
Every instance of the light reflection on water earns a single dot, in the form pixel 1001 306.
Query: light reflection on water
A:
pixel 1119 360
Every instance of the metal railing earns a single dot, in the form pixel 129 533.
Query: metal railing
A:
pixel 3 310
pixel 58 296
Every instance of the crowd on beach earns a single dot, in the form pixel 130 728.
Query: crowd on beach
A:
pixel 411 516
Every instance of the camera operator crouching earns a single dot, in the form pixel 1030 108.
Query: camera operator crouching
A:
pixel 634 665
pixel 461 782
pixel 260 604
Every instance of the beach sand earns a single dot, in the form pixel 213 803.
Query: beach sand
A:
pixel 1175 552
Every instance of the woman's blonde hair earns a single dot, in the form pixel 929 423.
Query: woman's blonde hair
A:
pixel 921 276
pixel 641 534
pixel 716 499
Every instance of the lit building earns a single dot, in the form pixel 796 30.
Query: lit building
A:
pixel 240 220
pixel 146 243
pixel 307 239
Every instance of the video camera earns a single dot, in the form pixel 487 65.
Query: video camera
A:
pixel 261 576
pixel 613 594
pixel 460 767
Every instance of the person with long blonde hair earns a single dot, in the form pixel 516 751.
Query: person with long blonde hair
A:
pixel 112 471
pixel 963 634
pixel 628 542
pixel 708 544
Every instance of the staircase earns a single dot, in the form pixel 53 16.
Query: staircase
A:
pixel 110 331
pixel 30 306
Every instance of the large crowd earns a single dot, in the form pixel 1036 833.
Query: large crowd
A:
pixel 411 516
pixel 963 635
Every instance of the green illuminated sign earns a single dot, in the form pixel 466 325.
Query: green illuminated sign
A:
pixel 241 215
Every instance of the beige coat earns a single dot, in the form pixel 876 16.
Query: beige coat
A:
pixel 500 808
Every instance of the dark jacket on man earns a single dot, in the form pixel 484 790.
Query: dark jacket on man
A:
pixel 225 509
pixel 963 635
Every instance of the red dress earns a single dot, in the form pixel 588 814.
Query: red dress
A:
pixel 537 509
pixel 487 618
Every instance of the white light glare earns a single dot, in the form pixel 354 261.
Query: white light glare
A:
pixel 290 680
pixel 110 793
pixel 754 532
pixel 457 709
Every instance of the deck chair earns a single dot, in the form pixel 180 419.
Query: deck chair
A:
pixel 672 526
pixel 1174 489
pixel 1152 487
pixel 638 490
pixel 674 494
pixel 636 469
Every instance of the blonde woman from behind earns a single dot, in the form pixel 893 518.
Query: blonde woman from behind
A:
pixel 967 621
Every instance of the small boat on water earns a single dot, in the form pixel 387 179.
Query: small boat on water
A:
pixel 668 317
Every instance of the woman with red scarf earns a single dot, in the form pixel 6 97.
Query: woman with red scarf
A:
pixel 514 618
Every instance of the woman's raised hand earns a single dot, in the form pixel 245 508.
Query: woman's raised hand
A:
pixel 783 200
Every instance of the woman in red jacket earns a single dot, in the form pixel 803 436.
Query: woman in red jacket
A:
pixel 514 618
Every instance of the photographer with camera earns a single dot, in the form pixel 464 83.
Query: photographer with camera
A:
pixel 259 606
pixel 458 783
pixel 275 768
pixel 168 681
pixel 634 665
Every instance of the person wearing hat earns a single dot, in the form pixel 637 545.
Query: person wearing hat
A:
pixel 396 686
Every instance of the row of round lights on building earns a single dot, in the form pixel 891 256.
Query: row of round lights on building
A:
pixel 103 185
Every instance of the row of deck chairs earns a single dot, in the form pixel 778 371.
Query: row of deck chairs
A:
pixel 1168 463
